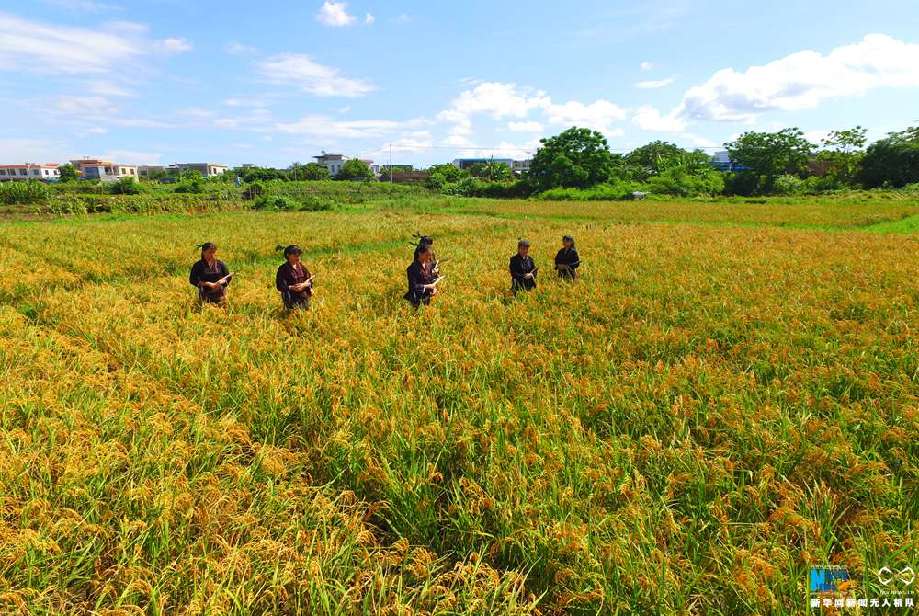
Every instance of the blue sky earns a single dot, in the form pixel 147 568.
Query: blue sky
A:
pixel 272 82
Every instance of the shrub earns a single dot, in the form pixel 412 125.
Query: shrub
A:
pixel 678 182
pixel 124 186
pixel 190 185
pixel 308 203
pixel 276 202
pixel 316 203
pixel 355 169
pixel 742 183
pixel 30 191
pixel 253 190
pixel 611 191
pixel 788 185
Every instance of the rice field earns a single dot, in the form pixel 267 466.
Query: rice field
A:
pixel 728 395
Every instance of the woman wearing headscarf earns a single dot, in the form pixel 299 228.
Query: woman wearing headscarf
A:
pixel 422 281
pixel 211 276
pixel 294 281
pixel 567 260
pixel 523 269
pixel 433 265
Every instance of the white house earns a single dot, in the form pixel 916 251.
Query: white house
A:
pixel 207 170
pixel 521 167
pixel 465 163
pixel 48 172
pixel 334 163
pixel 106 170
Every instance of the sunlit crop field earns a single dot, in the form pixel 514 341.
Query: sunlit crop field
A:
pixel 728 395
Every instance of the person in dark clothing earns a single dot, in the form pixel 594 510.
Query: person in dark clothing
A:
pixel 567 260
pixel 422 282
pixel 294 281
pixel 523 270
pixel 210 276
pixel 424 240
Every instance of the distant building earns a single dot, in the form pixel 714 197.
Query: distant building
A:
pixel 521 167
pixel 465 163
pixel 148 171
pixel 207 170
pixel 48 172
pixel 408 177
pixel 397 168
pixel 105 170
pixel 334 163
pixel 722 162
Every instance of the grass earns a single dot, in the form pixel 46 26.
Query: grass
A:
pixel 729 395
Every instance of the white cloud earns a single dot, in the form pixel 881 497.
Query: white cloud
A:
pixel 409 142
pixel 495 99
pixel 325 127
pixel 58 49
pixel 334 14
pixel 650 119
pixel 85 105
pixel 416 141
pixel 499 100
pixel 646 66
pixel 131 157
pixel 699 141
pixel 369 19
pixel 256 119
pixel 87 6
pixel 816 136
pixel 598 115
pixel 51 49
pixel 107 88
pixel 317 79
pixel 804 79
pixel 525 127
pixel 174 45
pixel 508 100
pixel 239 49
pixel 505 149
pixel 457 140
pixel 655 83
pixel 16 150
pixel 246 101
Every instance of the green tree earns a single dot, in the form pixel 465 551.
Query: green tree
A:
pixel 769 155
pixel 125 186
pixel 448 173
pixel 355 169
pixel 68 172
pixel 892 161
pixel 840 160
pixel 491 171
pixel 309 171
pixel 846 141
pixel 255 174
pixel 652 159
pixel 575 158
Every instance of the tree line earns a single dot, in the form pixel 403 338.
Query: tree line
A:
pixel 762 163
pixel 578 163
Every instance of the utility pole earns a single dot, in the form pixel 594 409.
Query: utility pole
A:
pixel 390 162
